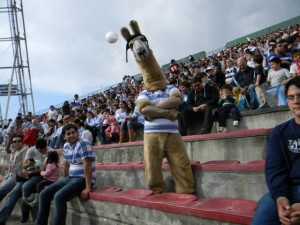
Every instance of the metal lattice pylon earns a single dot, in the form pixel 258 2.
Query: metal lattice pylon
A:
pixel 19 83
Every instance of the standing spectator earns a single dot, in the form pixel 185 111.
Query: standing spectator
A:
pixel 244 85
pixel 260 81
pixel 295 67
pixel 80 176
pixel 227 105
pixel 52 113
pixel 16 159
pixel 202 100
pixel 281 204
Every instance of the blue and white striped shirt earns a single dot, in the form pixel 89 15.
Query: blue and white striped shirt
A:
pixel 75 154
pixel 159 124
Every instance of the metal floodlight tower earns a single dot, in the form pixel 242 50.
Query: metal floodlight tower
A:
pixel 20 78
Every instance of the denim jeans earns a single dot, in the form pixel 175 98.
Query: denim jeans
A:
pixel 21 188
pixel 61 191
pixel 6 186
pixel 266 212
pixel 253 97
pixel 134 125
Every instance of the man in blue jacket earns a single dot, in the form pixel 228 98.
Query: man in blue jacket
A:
pixel 281 205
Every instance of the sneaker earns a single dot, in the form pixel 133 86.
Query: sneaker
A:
pixel 34 204
pixel 222 129
pixel 26 201
pixel 266 105
pixel 235 123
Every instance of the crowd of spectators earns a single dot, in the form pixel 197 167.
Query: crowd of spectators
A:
pixel 232 80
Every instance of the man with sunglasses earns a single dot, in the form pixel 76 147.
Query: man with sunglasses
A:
pixel 16 159
pixel 27 182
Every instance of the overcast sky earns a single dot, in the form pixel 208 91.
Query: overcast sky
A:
pixel 66 38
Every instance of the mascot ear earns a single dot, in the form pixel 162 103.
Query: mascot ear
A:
pixel 135 27
pixel 126 34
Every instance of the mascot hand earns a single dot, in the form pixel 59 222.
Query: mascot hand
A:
pixel 173 114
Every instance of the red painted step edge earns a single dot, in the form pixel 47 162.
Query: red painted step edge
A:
pixel 231 210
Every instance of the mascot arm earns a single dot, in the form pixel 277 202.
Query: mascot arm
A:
pixel 172 103
pixel 151 112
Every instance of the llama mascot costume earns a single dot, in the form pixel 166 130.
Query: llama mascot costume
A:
pixel 158 104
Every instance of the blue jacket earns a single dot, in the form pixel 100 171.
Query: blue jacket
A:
pixel 282 168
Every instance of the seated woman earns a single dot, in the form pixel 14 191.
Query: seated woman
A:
pixel 91 125
pixel 134 120
pixel 120 115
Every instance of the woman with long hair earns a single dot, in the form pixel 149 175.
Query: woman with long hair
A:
pixel 120 115
pixel 134 120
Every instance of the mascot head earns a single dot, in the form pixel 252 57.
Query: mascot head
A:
pixel 153 77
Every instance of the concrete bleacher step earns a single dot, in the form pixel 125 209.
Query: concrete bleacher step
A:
pixel 243 145
pixel 261 118
pixel 110 205
pixel 213 179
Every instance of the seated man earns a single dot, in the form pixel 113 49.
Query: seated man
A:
pixel 201 101
pixel 26 184
pixel 80 175
pixel 15 165
pixel 281 204
pixel 244 85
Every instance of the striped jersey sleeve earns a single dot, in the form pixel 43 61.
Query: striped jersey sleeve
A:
pixel 75 154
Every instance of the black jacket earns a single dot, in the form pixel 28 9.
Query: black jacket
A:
pixel 208 95
pixel 245 78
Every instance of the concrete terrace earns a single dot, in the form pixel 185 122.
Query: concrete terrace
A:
pixel 227 168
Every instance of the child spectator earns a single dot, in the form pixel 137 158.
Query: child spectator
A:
pixel 260 79
pixel 50 173
pixel 277 75
pixel 112 133
pixel 226 104
pixel 295 67
pixel 184 88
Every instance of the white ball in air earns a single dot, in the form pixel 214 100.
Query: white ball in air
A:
pixel 111 37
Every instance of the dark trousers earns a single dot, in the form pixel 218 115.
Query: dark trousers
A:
pixel 204 118
pixel 223 113
pixel 42 185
